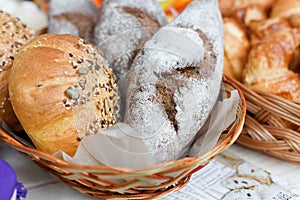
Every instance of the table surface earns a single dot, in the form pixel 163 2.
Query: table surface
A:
pixel 41 185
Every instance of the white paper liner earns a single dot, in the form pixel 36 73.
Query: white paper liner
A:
pixel 121 146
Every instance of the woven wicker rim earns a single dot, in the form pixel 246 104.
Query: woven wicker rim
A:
pixel 271 125
pixel 104 181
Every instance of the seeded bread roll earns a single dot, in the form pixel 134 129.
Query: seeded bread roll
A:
pixel 13 34
pixel 76 17
pixel 67 91
pixel 175 80
pixel 121 31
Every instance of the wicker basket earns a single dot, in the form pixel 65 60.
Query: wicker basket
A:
pixel 272 125
pixel 148 183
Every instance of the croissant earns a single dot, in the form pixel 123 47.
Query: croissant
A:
pixel 228 7
pixel 250 13
pixel 259 29
pixel 268 65
pixel 285 8
pixel 235 58
pixel 289 9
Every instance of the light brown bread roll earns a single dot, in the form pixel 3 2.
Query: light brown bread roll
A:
pixel 67 91
pixel 175 80
pixel 122 29
pixel 13 34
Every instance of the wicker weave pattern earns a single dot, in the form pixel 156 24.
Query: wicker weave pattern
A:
pixel 272 125
pixel 148 183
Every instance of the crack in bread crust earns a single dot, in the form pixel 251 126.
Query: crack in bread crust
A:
pixel 166 95
pixel 207 67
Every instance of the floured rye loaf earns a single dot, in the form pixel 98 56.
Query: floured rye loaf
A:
pixel 121 31
pixel 175 80
pixel 76 17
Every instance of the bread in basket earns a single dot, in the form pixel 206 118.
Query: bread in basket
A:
pixel 266 34
pixel 146 183
pixel 113 182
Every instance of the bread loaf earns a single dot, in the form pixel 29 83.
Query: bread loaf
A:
pixel 67 91
pixel 13 34
pixel 76 17
pixel 122 29
pixel 175 80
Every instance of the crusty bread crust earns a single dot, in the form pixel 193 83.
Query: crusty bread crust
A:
pixel 13 34
pixel 122 29
pixel 268 66
pixel 66 91
pixel 175 80
pixel 72 17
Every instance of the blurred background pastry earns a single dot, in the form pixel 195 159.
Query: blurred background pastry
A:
pixel 268 66
pixel 28 12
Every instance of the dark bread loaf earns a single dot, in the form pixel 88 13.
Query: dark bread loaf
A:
pixel 175 80
pixel 76 17
pixel 122 29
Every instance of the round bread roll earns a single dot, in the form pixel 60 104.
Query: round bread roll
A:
pixel 13 34
pixel 67 91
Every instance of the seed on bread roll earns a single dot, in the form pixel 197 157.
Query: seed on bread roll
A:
pixel 122 29
pixel 67 91
pixel 13 34
pixel 76 17
pixel 175 80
